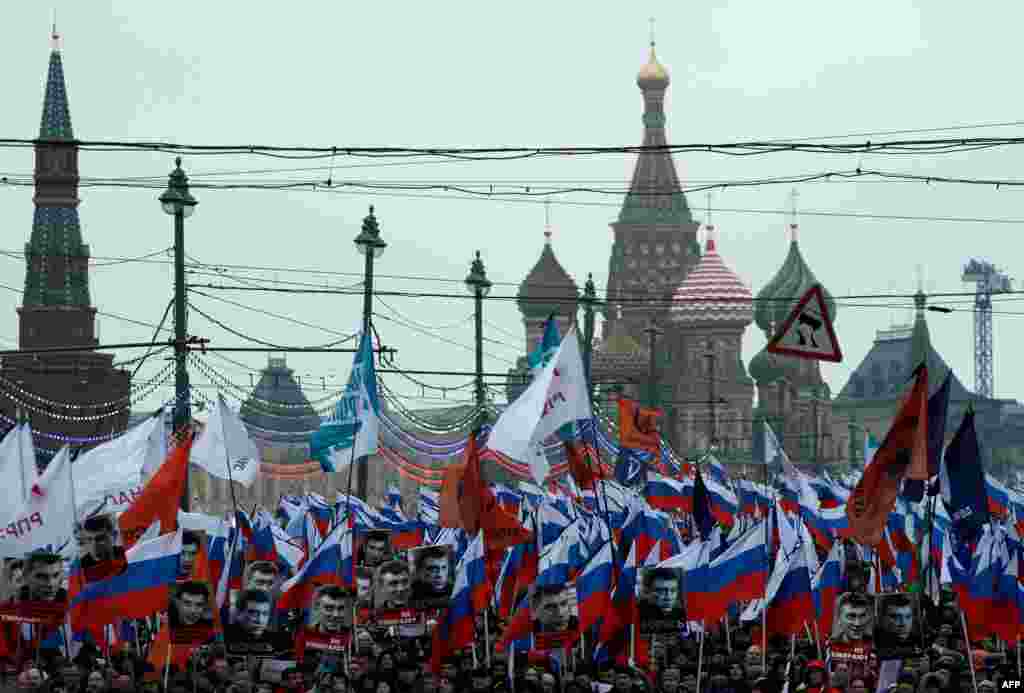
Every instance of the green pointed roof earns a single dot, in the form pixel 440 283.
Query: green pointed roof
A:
pixel 548 288
pixel 56 121
pixel 277 403
pixel 779 297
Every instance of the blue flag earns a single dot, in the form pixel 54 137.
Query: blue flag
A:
pixel 546 348
pixel 702 516
pixel 351 432
pixel 963 487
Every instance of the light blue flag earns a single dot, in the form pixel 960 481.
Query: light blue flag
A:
pixel 546 348
pixel 351 432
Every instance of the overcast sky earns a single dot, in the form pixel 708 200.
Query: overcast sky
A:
pixel 526 73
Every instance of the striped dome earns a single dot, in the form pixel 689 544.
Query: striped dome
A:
pixel 712 292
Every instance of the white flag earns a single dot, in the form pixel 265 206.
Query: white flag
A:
pixel 556 397
pixel 224 448
pixel 109 477
pixel 17 466
pixel 46 520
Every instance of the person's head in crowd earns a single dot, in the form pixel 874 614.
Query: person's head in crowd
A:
pixel 189 552
pixel 95 682
pixel 31 679
pixel 858 684
pixel 263 687
pixel 816 674
pixel 552 606
pixel 965 682
pixel 480 680
pixel 761 685
pixel 14 576
pixel 548 683
pixel 382 686
pixel 531 676
pixel 448 670
pixel 219 669
pixel 122 682
pixel 375 548
pixel 44 575
pixel 291 679
pixel 840 677
pixel 854 616
pixel 432 568
pixel 446 686
pixel 392 584
pixel 190 602
pixel 669 679
pixel 253 612
pixel 407 673
pixel 931 683
pixel 623 682
pixel 583 680
pixel 341 684
pixel 898 616
pixel 737 674
pixel 329 610
pixel 688 681
pixel 385 664
pixel 364 585
pixel 428 684
pixel 986 686
pixel 260 575
pixel 96 539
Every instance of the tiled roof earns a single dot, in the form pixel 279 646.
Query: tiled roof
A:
pixel 549 288
pixel 277 386
pixel 56 120
pixel 712 293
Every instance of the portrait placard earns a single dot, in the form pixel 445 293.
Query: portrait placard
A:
pixel 853 620
pixel 100 551
pixel 661 600
pixel 373 548
pixel 433 576
pixel 555 612
pixel 898 633
pixel 190 614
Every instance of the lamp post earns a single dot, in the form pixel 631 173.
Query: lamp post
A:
pixel 653 332
pixel 370 245
pixel 179 203
pixel 479 285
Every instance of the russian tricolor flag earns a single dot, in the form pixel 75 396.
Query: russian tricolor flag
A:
pixel 594 587
pixel 828 583
pixel 142 590
pixel 457 627
pixel 739 574
pixel 793 604
pixel 668 494
pixel 330 565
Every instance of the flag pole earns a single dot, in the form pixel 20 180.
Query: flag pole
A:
pixel 700 654
pixel 970 656
pixel 487 639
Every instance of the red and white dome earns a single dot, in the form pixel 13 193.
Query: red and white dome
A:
pixel 712 293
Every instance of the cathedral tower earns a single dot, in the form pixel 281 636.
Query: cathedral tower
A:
pixel 655 236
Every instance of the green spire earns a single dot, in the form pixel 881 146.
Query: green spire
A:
pixel 920 339
pixel 56 121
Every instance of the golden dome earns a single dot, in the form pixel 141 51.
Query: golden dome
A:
pixel 653 74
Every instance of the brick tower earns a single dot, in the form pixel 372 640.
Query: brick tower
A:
pixel 56 308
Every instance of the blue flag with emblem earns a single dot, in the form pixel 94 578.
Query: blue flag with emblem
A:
pixel 546 347
pixel 351 432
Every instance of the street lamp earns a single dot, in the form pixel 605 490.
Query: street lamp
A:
pixel 370 245
pixel 479 285
pixel 179 203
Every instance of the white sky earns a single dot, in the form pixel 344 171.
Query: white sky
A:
pixel 529 73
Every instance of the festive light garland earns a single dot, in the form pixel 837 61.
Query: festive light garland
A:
pixel 137 397
pixel 253 402
pixel 45 401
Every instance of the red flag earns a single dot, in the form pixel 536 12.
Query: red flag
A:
pixel 160 498
pixel 581 467
pixel 904 452
pixel 448 499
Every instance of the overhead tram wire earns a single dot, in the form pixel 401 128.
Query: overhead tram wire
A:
pixel 270 345
pixel 743 148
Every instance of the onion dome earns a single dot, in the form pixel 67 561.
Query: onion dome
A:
pixel 712 292
pixel 653 74
pixel 767 367
pixel 548 288
pixel 780 295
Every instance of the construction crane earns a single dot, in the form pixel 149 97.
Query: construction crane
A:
pixel 988 280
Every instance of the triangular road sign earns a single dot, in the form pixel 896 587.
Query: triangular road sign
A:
pixel 807 332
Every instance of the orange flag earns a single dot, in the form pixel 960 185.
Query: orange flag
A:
pixel 160 498
pixel 903 454
pixel 638 426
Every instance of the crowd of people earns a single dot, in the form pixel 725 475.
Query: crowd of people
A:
pixel 338 645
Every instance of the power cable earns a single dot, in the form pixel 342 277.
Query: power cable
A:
pixel 268 313
pixel 440 338
pixel 156 333
pixel 256 340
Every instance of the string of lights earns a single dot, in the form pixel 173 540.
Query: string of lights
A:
pixel 117 403
pixel 256 340
pixel 137 397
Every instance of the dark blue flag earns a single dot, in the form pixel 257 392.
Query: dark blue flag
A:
pixel 965 496
pixel 702 517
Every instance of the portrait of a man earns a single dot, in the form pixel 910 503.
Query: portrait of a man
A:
pixel 189 552
pixel 252 630
pixel 661 600
pixel 853 618
pixel 554 608
pixel 99 555
pixel 330 610
pixel 376 549
pixel 260 575
pixel 899 627
pixel 364 587
pixel 44 578
pixel 190 606
pixel 432 576
pixel 392 585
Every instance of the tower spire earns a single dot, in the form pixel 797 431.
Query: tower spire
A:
pixel 709 227
pixel 547 222
pixel 793 224
pixel 54 36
